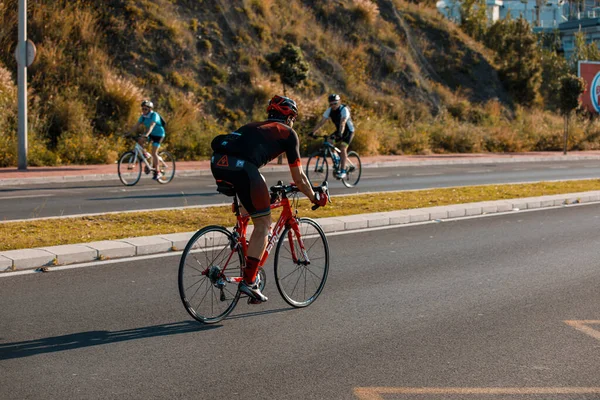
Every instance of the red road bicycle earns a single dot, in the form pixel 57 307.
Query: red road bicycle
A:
pixel 211 265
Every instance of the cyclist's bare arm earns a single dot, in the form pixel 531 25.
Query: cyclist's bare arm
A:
pixel 320 124
pixel 301 180
pixel 152 125
pixel 342 125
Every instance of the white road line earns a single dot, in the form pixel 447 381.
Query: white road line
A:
pixel 132 190
pixel 558 167
pixel 430 174
pixel 26 197
pixel 479 171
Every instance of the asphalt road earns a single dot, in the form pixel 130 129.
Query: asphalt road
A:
pixel 36 201
pixel 466 306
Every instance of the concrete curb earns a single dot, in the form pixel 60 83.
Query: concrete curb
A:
pixel 15 260
pixel 275 168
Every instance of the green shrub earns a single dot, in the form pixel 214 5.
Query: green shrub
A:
pixel 462 138
pixel 86 148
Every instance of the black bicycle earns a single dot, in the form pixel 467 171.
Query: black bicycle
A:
pixel 317 167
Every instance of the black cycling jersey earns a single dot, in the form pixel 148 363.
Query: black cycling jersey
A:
pixel 336 118
pixel 260 142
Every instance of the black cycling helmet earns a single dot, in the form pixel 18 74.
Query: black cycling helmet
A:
pixel 147 103
pixel 282 106
pixel 334 97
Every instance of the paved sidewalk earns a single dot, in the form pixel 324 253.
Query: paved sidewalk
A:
pixel 15 260
pixel 78 173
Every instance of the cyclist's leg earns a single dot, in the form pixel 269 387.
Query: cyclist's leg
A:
pixel 255 198
pixel 253 193
pixel 345 142
pixel 156 141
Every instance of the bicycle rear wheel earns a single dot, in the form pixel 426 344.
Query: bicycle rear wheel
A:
pixel 317 169
pixel 166 166
pixel 353 169
pixel 301 263
pixel 209 272
pixel 129 169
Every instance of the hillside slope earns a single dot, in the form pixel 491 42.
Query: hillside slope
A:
pixel 203 63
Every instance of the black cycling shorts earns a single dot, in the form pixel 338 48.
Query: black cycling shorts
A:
pixel 345 138
pixel 248 182
pixel 156 140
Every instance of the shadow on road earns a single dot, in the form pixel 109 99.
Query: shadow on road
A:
pixel 95 338
pixel 254 313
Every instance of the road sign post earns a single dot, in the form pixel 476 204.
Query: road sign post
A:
pixel 22 62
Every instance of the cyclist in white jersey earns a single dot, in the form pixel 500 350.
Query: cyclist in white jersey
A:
pixel 339 114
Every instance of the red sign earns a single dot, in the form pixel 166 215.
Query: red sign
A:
pixel 590 72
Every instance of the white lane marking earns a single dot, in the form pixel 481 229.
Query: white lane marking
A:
pixel 131 190
pixel 26 196
pixel 520 169
pixel 478 171
pixel 376 176
pixel 427 174
pixel 558 167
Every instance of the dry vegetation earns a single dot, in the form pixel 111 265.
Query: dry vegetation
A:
pixel 415 83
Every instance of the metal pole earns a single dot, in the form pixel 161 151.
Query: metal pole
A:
pixel 22 84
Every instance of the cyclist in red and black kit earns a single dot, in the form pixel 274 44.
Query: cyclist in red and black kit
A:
pixel 237 158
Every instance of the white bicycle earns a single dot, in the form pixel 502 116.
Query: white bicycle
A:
pixel 133 162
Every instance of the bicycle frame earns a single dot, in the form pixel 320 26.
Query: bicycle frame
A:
pixel 139 155
pixel 328 149
pixel 286 219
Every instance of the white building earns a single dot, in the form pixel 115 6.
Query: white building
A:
pixel 551 12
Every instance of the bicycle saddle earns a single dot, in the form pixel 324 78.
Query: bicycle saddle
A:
pixel 225 188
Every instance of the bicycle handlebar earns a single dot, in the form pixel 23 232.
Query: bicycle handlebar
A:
pixel 281 189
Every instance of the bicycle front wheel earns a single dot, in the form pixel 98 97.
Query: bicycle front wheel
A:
pixel 301 263
pixel 353 170
pixel 209 271
pixel 129 169
pixel 317 169
pixel 166 166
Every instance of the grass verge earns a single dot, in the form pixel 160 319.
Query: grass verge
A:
pixel 52 232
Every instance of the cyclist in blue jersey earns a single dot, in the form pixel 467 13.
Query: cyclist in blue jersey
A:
pixel 340 116
pixel 155 131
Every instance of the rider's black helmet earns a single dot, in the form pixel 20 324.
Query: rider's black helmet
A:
pixel 334 97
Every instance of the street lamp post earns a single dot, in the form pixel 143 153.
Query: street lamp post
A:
pixel 22 60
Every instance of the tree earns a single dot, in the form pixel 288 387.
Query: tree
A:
pixel 583 51
pixel 554 67
pixel 473 18
pixel 290 65
pixel 571 87
pixel 518 56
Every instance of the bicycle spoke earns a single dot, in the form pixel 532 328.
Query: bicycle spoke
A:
pixel 287 276
pixel 299 280
pixel 210 298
